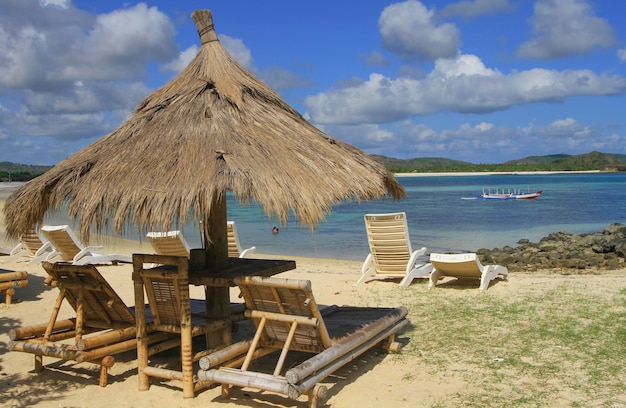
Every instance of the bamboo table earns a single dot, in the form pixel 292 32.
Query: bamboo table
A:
pixel 237 267
pixel 218 280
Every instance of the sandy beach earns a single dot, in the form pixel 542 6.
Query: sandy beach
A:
pixel 425 374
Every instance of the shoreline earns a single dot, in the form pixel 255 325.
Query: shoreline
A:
pixel 496 173
pixel 14 185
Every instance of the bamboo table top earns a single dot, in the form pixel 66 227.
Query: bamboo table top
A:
pixel 224 277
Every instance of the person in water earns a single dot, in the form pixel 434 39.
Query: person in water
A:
pixel 275 230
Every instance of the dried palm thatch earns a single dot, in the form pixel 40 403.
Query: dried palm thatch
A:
pixel 215 127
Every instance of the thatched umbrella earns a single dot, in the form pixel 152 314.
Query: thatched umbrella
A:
pixel 215 127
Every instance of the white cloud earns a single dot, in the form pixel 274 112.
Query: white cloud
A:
pixel 567 129
pixel 79 98
pixel 69 45
pixel 461 85
pixel 564 28
pixel 409 30
pixel 63 4
pixel 122 42
pixel 238 50
pixel 374 59
pixel 72 74
pixel 183 59
pixel 621 54
pixel 276 77
pixel 469 9
pixel 481 142
pixel 464 65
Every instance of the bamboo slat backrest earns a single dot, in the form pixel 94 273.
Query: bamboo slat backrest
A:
pixel 166 285
pixel 167 290
pixel 389 242
pixel 281 302
pixel 101 306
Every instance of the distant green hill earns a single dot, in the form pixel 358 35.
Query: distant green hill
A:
pixel 556 162
pixel 593 159
pixel 539 159
pixel 559 162
pixel 20 172
pixel 422 164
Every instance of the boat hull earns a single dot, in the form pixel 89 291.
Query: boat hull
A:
pixel 511 196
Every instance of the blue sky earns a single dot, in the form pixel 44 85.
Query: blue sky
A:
pixel 483 81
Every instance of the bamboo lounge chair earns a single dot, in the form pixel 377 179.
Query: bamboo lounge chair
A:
pixel 168 243
pixel 174 243
pixel 287 318
pixel 103 327
pixel 32 246
pixel 167 288
pixel 391 255
pixel 464 266
pixel 67 246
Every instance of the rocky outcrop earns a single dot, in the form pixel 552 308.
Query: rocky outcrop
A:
pixel 584 253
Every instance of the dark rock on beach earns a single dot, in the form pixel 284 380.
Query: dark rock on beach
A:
pixel 564 252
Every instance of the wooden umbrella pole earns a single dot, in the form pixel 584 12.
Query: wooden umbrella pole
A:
pixel 215 233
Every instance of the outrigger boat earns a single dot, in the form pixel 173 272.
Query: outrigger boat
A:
pixel 511 194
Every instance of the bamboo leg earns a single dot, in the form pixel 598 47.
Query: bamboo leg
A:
pixel 8 294
pixel 283 353
pixel 186 354
pixel 48 332
pixel 38 364
pixel 142 341
pixel 54 315
pixel 255 341
pixel 106 363
pixel 79 314
pixel 317 394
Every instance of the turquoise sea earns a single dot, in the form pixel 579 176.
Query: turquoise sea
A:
pixel 442 220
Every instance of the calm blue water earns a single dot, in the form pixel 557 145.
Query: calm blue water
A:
pixel 440 219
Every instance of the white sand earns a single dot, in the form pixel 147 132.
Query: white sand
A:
pixel 368 382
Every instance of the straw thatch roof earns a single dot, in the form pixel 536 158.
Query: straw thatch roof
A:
pixel 215 127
